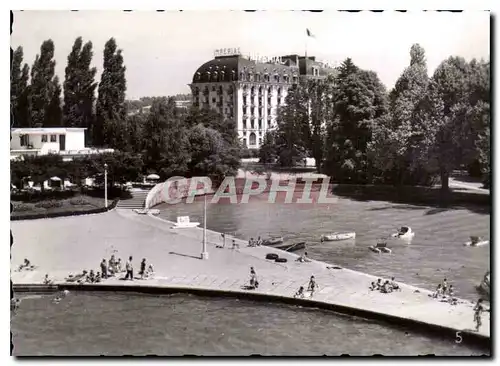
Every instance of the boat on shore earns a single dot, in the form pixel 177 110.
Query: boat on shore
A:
pixel 404 232
pixel 338 236
pixel 183 222
pixel 380 247
pixel 273 241
pixel 476 241
pixel 291 247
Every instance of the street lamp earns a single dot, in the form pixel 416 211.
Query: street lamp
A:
pixel 204 253
pixel 105 185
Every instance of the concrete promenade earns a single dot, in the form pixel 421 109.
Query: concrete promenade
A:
pixel 68 245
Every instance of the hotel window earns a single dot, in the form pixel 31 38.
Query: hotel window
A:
pixel 242 76
pixel 208 76
pixel 260 124
pixel 294 79
pixel 215 75
pixel 266 77
pixel 257 77
pixel 44 138
pixel 244 142
pixel 260 141
pixel 198 76
pixel 213 100
pixel 213 88
pixel 233 75
pixel 268 111
pixel 53 138
pixel 277 78
pixel 269 90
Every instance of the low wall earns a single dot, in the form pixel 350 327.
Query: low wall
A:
pixel 467 337
pixel 409 194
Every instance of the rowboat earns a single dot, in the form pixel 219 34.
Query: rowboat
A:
pixel 338 236
pixel 381 247
pixel 291 247
pixel 404 233
pixel 273 241
pixel 476 241
pixel 184 222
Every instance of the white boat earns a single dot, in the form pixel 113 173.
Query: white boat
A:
pixel 476 241
pixel 146 211
pixel 338 236
pixel 404 233
pixel 183 222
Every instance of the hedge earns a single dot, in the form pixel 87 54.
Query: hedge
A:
pixel 49 215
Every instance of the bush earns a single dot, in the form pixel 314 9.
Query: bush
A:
pixel 21 207
pixel 47 215
pixel 35 196
pixel 49 204
pixel 80 201
pixel 247 153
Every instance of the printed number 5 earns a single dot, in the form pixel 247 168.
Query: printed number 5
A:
pixel 458 338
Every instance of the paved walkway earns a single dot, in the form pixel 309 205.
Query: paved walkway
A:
pixel 69 245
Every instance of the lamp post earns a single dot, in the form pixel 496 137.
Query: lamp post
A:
pixel 204 253
pixel 105 185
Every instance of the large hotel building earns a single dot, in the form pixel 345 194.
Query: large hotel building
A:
pixel 250 91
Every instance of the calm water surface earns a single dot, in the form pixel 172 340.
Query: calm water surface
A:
pixel 436 251
pixel 119 324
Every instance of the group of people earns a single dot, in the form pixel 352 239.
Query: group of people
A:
pixel 445 292
pixel 385 287
pixel 255 243
pixel 312 286
pixel 111 268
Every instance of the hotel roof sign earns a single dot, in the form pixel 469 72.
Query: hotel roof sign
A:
pixel 235 51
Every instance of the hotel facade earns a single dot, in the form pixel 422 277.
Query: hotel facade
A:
pixel 250 91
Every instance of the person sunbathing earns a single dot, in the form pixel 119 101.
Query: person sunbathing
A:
pixel 300 292
pixel 303 258
pixel 438 292
pixel 386 288
pixel 26 265
pixel 46 280
pixel 395 285
pixel 373 286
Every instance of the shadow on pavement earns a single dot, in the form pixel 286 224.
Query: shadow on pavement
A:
pixel 184 255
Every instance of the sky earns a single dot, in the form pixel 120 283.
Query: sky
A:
pixel 162 50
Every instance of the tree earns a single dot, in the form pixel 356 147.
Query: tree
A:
pixel 111 109
pixel 42 74
pixel 268 152
pixel 460 133
pixel 359 101
pixel 165 140
pixel 395 137
pixel 19 90
pixel 79 86
pixel 54 112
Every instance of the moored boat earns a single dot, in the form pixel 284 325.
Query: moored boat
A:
pixel 291 247
pixel 404 232
pixel 380 247
pixel 338 236
pixel 273 241
pixel 476 241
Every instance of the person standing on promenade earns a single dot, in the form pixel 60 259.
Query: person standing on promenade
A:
pixel 143 268
pixel 130 269
pixel 444 286
pixel 478 311
pixel 104 269
pixel 312 285
pixel 253 278
pixel 112 265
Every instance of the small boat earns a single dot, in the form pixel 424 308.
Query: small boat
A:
pixel 381 247
pixel 146 211
pixel 338 236
pixel 291 247
pixel 183 222
pixel 404 233
pixel 476 241
pixel 273 241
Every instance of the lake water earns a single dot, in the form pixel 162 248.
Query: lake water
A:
pixel 91 324
pixel 436 251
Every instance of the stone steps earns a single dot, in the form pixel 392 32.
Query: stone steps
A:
pixel 136 202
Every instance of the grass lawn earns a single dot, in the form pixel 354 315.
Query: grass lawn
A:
pixel 76 203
